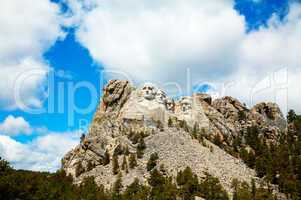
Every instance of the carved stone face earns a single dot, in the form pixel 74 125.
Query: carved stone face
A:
pixel 186 104
pixel 170 104
pixel 161 97
pixel 149 91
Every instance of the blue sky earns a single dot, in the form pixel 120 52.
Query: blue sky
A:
pixel 75 50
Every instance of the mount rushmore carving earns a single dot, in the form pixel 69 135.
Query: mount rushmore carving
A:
pixel 126 112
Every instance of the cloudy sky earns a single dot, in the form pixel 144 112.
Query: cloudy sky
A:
pixel 55 56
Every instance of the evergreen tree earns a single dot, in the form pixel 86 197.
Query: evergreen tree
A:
pixel 152 162
pixel 79 169
pixel 211 189
pixel 188 183
pixel 115 164
pixel 136 191
pixel 4 166
pixel 89 189
pixel 291 116
pixel 117 187
pixel 132 161
pixel 170 123
pixel 106 159
pixel 140 148
pixel 124 165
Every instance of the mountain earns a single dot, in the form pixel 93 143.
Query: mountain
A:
pixel 137 130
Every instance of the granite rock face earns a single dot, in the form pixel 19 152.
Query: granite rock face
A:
pixel 127 115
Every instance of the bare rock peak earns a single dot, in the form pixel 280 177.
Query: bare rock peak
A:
pixel 133 123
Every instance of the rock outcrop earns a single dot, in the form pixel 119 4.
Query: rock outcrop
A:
pixel 127 117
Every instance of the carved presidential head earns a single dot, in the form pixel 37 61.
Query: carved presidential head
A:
pixel 149 91
pixel 161 96
pixel 186 104
pixel 170 104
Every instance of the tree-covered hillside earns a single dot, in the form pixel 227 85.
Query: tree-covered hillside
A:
pixel 278 163
pixel 28 185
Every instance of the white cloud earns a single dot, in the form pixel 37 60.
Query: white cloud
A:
pixel 158 41
pixel 44 153
pixel 21 84
pixel 14 126
pixel 268 51
pixel 28 28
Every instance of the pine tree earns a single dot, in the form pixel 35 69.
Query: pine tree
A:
pixel 115 165
pixel 253 189
pixel 170 123
pixel 124 165
pixel 211 189
pixel 79 169
pixel 4 166
pixel 126 150
pixel 106 159
pixel 132 161
pixel 136 191
pixel 291 116
pixel 82 138
pixel 152 162
pixel 140 148
pixel 117 187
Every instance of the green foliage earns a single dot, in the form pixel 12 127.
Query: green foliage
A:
pixel 188 184
pixel 217 140
pixel 160 125
pixel 242 191
pixel 242 115
pixel 170 122
pixel 118 150
pixel 248 157
pixel 126 150
pixel 152 162
pixel 135 137
pixel 115 165
pixel 4 166
pixel 140 148
pixel 162 187
pixel 124 165
pixel 90 191
pixel 117 187
pixel 279 162
pixel 106 159
pixel 26 185
pixel 211 189
pixel 79 169
pixel 183 124
pixel 136 191
pixel 195 131
pixel 82 138
pixel 90 165
pixel 291 116
pixel 132 161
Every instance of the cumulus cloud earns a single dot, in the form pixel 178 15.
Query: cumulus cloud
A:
pixel 158 42
pixel 14 126
pixel 25 34
pixel 273 53
pixel 21 84
pixel 44 153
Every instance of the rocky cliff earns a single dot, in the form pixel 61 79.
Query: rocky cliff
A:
pixel 132 123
